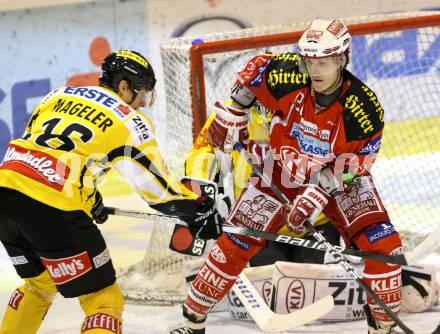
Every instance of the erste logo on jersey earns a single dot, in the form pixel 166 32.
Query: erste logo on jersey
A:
pixel 100 96
pixel 122 111
pixel 36 165
pixel 140 130
pixel 308 144
pixel 68 268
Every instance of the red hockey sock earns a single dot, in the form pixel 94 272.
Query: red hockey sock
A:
pixel 383 278
pixel 219 272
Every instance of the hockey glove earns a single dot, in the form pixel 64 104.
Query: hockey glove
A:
pixel 206 223
pixel 209 188
pixel 306 206
pixel 99 213
pixel 228 127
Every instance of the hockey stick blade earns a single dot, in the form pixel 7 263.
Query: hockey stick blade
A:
pixel 266 319
pixel 396 259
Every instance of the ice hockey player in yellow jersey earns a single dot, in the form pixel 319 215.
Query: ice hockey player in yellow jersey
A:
pixel 49 199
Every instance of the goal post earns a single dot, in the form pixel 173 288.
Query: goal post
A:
pixel 396 55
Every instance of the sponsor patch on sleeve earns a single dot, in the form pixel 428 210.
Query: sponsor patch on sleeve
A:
pixel 372 147
pixel 140 130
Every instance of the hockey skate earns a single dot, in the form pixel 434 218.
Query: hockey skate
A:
pixel 193 324
pixel 378 327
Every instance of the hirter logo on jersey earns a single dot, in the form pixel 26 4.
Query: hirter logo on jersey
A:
pixel 68 268
pixel 36 165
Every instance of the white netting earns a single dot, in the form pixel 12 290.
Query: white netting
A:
pixel 400 66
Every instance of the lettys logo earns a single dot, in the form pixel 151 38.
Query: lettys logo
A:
pixel 66 269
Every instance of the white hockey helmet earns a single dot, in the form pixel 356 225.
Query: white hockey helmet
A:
pixel 323 39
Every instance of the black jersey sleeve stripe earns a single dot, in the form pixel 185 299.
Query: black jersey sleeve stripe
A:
pixel 137 155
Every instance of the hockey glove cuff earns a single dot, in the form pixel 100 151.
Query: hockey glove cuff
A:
pixel 306 206
pixel 206 223
pixel 99 213
pixel 228 127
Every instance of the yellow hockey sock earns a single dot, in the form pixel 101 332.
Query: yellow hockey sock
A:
pixel 28 305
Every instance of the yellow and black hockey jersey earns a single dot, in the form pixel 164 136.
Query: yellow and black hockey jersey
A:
pixel 73 138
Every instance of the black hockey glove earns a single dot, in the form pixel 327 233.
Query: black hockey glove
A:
pixel 99 213
pixel 206 222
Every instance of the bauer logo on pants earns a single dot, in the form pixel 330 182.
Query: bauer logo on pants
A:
pixel 69 268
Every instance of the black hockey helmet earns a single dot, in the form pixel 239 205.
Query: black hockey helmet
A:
pixel 130 66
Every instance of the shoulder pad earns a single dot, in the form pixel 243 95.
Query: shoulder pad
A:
pixel 363 115
pixel 283 75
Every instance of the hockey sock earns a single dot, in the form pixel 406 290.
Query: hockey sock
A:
pixel 103 311
pixel 28 305
pixel 224 263
pixel 383 278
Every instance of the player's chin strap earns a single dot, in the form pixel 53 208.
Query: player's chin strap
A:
pixel 321 239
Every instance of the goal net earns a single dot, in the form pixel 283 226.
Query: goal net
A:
pixel 396 55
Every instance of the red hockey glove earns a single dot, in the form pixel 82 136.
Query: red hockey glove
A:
pixel 228 127
pixel 306 206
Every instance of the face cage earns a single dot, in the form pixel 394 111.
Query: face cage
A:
pixel 339 63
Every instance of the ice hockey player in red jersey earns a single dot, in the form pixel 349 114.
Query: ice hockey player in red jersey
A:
pixel 324 138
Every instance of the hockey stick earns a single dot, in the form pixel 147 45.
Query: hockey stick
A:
pixel 281 238
pixel 269 321
pixel 320 238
